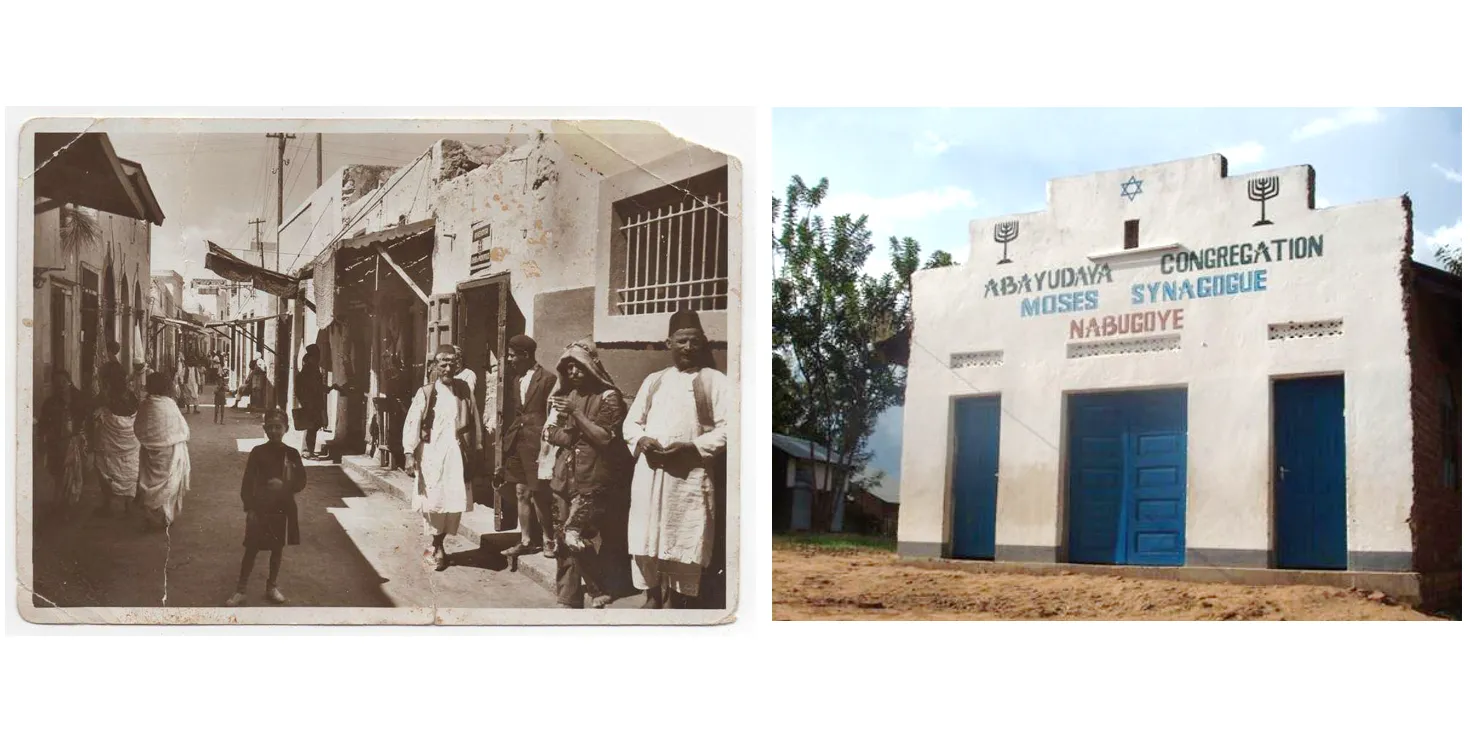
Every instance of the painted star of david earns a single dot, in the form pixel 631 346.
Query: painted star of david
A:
pixel 1132 187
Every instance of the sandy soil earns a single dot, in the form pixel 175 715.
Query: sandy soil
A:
pixel 826 584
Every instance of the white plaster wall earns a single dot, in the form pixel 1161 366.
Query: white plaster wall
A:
pixel 537 222
pixel 1225 359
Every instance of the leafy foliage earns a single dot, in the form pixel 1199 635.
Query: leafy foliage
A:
pixel 828 316
pixel 1449 257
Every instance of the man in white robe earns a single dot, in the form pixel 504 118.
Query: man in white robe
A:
pixel 441 436
pixel 676 429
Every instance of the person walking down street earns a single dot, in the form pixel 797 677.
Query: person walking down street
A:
pixel 64 439
pixel 115 445
pixel 274 474
pixel 188 387
pixel 529 387
pixel 221 394
pixel 311 394
pixel 163 462
pixel 590 477
pixel 676 429
pixel 441 438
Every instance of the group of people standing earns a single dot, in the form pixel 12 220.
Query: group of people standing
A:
pixel 138 444
pixel 627 496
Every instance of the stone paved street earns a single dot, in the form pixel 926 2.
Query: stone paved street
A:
pixel 359 547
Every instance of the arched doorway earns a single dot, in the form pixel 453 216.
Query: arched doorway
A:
pixel 140 318
pixel 109 306
pixel 124 334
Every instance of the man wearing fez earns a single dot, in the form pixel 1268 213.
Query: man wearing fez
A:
pixel 676 429
pixel 441 438
pixel 528 388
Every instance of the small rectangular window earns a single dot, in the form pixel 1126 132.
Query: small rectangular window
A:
pixel 1130 234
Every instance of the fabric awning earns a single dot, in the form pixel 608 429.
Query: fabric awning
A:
pixel 323 268
pixel 251 320
pixel 234 269
pixel 176 322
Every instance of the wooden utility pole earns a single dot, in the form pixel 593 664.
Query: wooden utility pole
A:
pixel 281 365
pixel 318 160
pixel 258 223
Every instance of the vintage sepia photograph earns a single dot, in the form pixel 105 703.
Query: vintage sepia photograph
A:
pixel 377 372
pixel 1117 364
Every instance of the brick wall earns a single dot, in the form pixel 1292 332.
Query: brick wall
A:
pixel 1434 324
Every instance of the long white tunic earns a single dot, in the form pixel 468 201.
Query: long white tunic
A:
pixel 440 476
pixel 671 517
pixel 163 471
pixel 116 453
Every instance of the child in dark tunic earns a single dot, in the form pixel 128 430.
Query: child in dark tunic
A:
pixel 273 475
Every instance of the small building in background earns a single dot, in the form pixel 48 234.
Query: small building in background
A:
pixel 800 470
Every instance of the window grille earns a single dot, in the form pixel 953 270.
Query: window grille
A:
pixel 1140 345
pixel 976 359
pixel 674 244
pixel 1304 330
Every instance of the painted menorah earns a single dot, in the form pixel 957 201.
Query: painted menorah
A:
pixel 1005 232
pixel 1266 187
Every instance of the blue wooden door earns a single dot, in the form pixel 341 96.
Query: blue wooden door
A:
pixel 1126 478
pixel 1156 478
pixel 976 463
pixel 1311 474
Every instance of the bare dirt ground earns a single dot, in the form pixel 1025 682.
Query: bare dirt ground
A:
pixel 816 583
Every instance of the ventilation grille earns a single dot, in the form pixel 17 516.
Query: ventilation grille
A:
pixel 1304 330
pixel 1134 346
pixel 989 358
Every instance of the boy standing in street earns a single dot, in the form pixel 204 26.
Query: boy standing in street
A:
pixel 274 475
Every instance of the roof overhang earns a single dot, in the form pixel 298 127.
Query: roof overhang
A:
pixel 176 322
pixel 231 268
pixel 84 170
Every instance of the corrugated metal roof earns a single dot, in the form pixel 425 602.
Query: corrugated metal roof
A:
pixel 802 448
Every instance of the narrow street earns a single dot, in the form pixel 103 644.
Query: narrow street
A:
pixel 358 548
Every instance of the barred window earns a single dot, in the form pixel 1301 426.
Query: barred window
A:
pixel 670 247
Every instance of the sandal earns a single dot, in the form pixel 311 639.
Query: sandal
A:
pixel 601 601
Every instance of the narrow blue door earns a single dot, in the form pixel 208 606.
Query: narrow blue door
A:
pixel 1126 478
pixel 976 463
pixel 1156 471
pixel 1098 428
pixel 1311 474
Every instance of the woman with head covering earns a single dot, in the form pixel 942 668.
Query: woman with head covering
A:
pixel 163 462
pixel 115 444
pixel 590 474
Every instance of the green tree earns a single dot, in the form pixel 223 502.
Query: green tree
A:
pixel 1449 257
pixel 828 317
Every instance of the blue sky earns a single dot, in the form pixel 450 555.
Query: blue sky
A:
pixel 925 173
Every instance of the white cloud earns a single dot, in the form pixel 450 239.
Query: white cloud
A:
pixel 1452 236
pixel 886 213
pixel 930 144
pixel 1454 176
pixel 1346 118
pixel 1245 153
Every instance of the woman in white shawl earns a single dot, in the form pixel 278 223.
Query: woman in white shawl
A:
pixel 163 472
pixel 115 445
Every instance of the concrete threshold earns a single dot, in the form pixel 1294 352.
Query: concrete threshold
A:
pixel 1403 586
pixel 477 527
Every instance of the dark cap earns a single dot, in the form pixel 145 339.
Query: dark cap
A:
pixel 523 344
pixel 685 319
